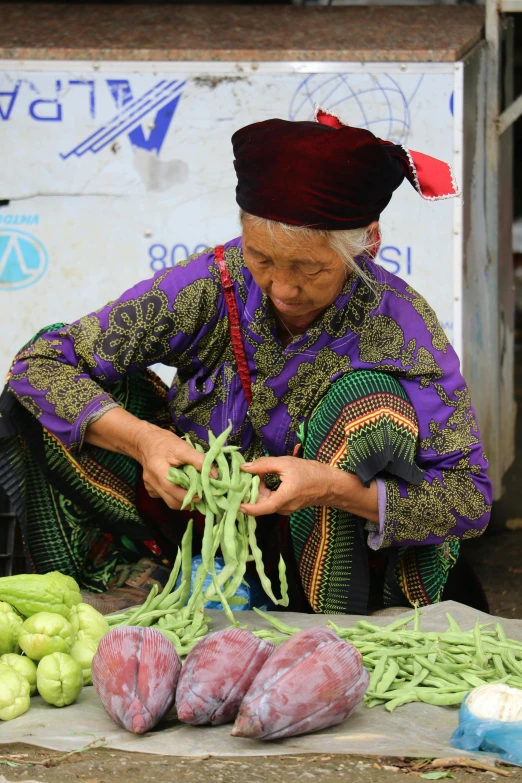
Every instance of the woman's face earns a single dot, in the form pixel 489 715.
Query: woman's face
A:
pixel 301 277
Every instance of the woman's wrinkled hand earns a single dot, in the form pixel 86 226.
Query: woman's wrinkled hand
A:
pixel 303 483
pixel 158 450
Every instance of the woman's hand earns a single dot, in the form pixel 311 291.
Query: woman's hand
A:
pixel 309 483
pixel 303 483
pixel 155 448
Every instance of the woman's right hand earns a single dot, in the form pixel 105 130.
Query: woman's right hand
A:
pixel 157 450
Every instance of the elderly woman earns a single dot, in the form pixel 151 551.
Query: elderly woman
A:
pixel 343 390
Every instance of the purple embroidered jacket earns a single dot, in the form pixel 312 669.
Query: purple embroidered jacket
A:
pixel 179 318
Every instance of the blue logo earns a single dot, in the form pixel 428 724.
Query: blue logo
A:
pixel 23 259
pixel 163 98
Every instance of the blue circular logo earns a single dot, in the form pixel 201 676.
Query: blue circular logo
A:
pixel 23 259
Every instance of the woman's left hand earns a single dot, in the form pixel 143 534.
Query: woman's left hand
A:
pixel 303 483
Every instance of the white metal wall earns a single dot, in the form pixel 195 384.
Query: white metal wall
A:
pixel 114 170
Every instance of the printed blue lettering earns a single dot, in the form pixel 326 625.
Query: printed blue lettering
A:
pixel 6 107
pixel 185 252
pixel 122 94
pixel 385 259
pixel 179 252
pixel 49 103
pixel 157 255
pixel 19 220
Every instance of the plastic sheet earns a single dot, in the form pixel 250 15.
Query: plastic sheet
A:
pixel 493 736
pixel 249 590
pixel 415 730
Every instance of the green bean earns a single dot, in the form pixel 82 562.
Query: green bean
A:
pixel 208 551
pixel 207 467
pixel 222 463
pixel 454 626
pixel 437 671
pixel 186 563
pixel 428 696
pixel 176 476
pixel 144 607
pixel 419 677
pixel 373 703
pixel 404 698
pixel 377 674
pixel 417 619
pixel 480 657
pixel 171 581
pixel 194 626
pixel 388 677
pixel 224 486
pixel 175 598
pixel 237 600
pixel 234 501
pixel 472 679
pixel 171 636
pixel 224 603
pixel 193 476
pixel 499 666
pixel 258 559
pixel 285 599
pixel 279 625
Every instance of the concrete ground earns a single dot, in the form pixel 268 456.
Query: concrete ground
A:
pixel 104 765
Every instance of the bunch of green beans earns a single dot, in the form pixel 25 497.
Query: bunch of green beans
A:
pixel 179 614
pixel 171 611
pixel 219 499
pixel 433 667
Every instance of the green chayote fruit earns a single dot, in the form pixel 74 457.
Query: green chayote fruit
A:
pixel 83 652
pixel 88 623
pixel 10 625
pixel 14 693
pixel 59 679
pixel 24 666
pixel 45 633
pixel 33 593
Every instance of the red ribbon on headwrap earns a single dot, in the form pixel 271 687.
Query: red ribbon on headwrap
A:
pixel 432 178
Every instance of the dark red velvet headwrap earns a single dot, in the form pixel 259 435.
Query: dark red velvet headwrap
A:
pixel 327 175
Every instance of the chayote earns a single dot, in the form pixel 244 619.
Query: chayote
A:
pixel 59 679
pixel 83 652
pixel 14 693
pixel 88 623
pixel 45 633
pixel 10 625
pixel 24 666
pixel 33 593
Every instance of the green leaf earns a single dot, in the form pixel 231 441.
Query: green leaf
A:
pixel 437 775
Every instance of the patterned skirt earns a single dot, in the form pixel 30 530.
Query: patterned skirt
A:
pixel 88 515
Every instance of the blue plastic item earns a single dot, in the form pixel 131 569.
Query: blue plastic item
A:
pixel 251 592
pixel 491 736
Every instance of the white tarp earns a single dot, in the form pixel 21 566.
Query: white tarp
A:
pixel 414 730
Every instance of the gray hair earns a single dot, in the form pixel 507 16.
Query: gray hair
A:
pixel 348 244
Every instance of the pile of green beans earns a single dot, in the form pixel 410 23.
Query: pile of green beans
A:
pixel 433 667
pixel 179 614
